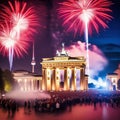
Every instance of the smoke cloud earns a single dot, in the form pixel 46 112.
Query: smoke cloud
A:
pixel 97 60
pixel 26 95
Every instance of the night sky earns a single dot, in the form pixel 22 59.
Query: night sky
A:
pixel 108 40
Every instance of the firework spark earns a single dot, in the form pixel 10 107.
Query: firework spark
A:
pixel 20 16
pixel 84 15
pixel 10 44
pixel 76 13
pixel 17 26
pixel 97 59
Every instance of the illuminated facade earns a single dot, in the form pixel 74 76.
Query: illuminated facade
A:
pixel 114 79
pixel 27 81
pixel 64 69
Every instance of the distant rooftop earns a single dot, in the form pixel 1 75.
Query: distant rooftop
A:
pixel 25 72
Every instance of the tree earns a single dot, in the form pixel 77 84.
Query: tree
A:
pixel 8 80
pixel 1 81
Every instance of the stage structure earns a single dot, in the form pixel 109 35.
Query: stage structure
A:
pixel 63 72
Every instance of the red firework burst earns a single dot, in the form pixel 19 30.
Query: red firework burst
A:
pixel 20 15
pixel 20 23
pixel 8 41
pixel 76 13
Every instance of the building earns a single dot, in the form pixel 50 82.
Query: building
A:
pixel 27 81
pixel 63 72
pixel 113 79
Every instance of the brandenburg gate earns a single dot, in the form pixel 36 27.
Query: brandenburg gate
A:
pixel 66 66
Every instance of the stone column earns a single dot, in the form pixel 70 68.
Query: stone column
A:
pixel 37 83
pixel 67 79
pixel 25 84
pixel 86 82
pixel 28 85
pixel 73 83
pixel 82 75
pixel 48 79
pixel 40 87
pixel 32 84
pixel 43 79
pixel 57 79
pixel 53 79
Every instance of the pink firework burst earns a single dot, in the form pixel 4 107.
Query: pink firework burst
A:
pixel 83 15
pixel 10 44
pixel 18 23
pixel 77 13
pixel 20 16
pixel 9 40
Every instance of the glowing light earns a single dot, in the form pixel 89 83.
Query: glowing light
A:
pixel 20 16
pixel 18 25
pixel 101 83
pixel 97 59
pixel 76 13
pixel 9 43
pixel 84 15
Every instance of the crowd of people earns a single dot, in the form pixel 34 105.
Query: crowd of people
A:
pixel 62 100
pixel 9 105
pixel 66 99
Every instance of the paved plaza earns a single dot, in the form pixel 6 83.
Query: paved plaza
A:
pixel 77 112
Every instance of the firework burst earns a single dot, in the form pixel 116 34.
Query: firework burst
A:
pixel 8 40
pixel 18 25
pixel 77 13
pixel 20 16
pixel 84 15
